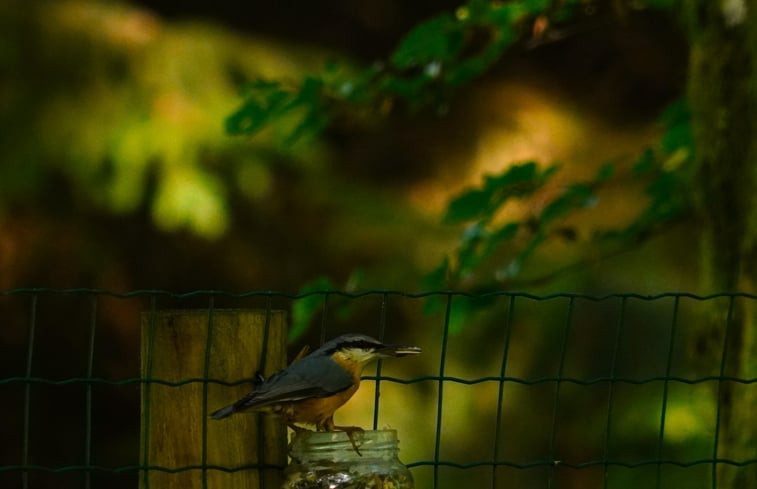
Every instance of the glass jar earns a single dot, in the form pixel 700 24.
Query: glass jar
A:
pixel 327 460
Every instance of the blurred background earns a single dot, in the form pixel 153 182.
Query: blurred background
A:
pixel 117 172
pixel 122 169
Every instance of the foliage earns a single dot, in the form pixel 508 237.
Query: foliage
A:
pixel 110 102
pixel 435 58
pixel 483 236
pixel 432 61
pixel 268 102
pixel 667 170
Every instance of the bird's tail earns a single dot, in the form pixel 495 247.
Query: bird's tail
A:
pixel 223 412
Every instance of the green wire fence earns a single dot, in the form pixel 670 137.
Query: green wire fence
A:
pixel 512 390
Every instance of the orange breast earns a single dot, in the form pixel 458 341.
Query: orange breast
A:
pixel 317 410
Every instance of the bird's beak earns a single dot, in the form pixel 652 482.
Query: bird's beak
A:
pixel 398 351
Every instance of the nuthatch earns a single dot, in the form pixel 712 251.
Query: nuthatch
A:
pixel 310 389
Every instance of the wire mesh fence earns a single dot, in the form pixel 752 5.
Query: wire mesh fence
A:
pixel 512 390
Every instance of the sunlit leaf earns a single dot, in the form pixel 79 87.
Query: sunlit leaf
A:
pixel 191 199
pixel 248 119
pixel 520 180
pixel 469 205
pixel 517 181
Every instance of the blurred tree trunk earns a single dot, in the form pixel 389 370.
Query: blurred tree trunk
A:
pixel 723 99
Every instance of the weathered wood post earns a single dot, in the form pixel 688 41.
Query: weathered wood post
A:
pixel 226 345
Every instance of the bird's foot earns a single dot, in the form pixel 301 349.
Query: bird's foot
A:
pixel 350 430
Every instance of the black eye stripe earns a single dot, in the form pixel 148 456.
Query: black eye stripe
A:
pixel 362 345
pixel 357 344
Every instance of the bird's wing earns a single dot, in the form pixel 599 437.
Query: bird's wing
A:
pixel 304 379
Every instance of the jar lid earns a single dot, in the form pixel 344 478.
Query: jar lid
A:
pixel 309 444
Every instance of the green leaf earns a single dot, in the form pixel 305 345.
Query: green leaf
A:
pixel 467 70
pixel 505 15
pixel 605 173
pixel 468 258
pixel 467 206
pixel 460 311
pixel 499 237
pixel 520 180
pixel 537 6
pixel 645 163
pixel 524 172
pixel 576 196
pixel 305 308
pixel 677 120
pixel 265 101
pixel 248 119
pixel 437 39
pixel 406 88
pixel 309 126
pixel 505 232
pixel 478 9
pixel 514 267
pixel 479 244
pixel 433 305
pixel 517 181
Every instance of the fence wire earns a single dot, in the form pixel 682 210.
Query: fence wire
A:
pixel 635 425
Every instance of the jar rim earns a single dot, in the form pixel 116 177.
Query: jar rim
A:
pixel 339 435
pixel 339 441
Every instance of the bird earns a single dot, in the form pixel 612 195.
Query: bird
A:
pixel 314 386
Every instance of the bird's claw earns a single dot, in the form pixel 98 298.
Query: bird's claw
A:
pixel 350 430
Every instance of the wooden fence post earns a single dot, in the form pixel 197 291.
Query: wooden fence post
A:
pixel 176 432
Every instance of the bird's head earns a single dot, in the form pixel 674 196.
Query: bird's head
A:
pixel 361 349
